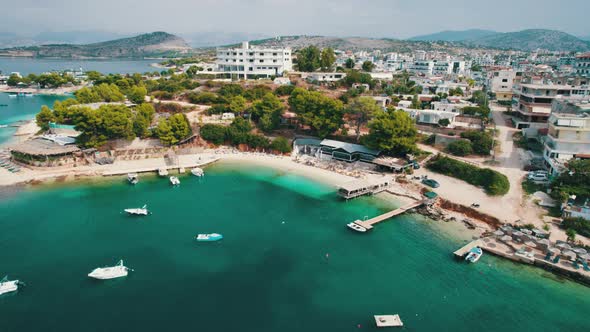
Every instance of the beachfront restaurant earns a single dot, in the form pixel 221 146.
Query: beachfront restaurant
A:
pixel 42 151
pixel 347 151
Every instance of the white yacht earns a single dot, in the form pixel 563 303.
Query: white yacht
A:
pixel 162 172
pixel 133 178
pixel 174 181
pixel 198 172
pixel 474 254
pixel 110 272
pixel 7 286
pixel 356 227
pixel 143 211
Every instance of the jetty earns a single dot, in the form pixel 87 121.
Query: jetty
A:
pixel 369 223
pixel 361 187
pixel 156 168
pixel 388 321
pixel 465 249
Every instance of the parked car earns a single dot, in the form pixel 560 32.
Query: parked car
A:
pixel 416 165
pixel 538 177
pixel 430 182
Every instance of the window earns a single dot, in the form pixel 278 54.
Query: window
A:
pixel 274 54
pixel 261 54
pixel 250 68
pixel 261 61
pixel 504 80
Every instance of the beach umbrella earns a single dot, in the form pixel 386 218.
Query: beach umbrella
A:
pixel 506 238
pixel 544 242
pixel 498 233
pixel 518 233
pixel 569 254
pixel 530 244
pixel 526 231
pixel 585 257
pixel 554 251
pixel 563 245
pixel 580 251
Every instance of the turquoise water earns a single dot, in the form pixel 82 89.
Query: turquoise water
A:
pixel 286 263
pixel 21 108
pixel 36 66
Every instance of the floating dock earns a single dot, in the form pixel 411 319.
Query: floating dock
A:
pixel 465 249
pixel 180 168
pixel 388 321
pixel 368 224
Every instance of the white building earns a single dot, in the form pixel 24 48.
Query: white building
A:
pixel 442 67
pixel 500 83
pixel 445 106
pixel 430 117
pixel 253 61
pixel 323 77
pixel 582 65
pixel 569 132
pixel 422 67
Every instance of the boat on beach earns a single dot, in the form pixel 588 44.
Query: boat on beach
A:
pixel 143 211
pixel 8 286
pixel 174 181
pixel 133 178
pixel 356 227
pixel 209 237
pixel 162 172
pixel 110 272
pixel 474 254
pixel 198 172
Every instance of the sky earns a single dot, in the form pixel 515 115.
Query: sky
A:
pixel 367 18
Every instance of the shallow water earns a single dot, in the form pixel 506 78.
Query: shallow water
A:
pixel 286 263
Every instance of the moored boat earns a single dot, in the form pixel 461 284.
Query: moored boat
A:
pixel 198 172
pixel 143 211
pixel 356 227
pixel 7 286
pixel 209 237
pixel 162 172
pixel 174 181
pixel 133 178
pixel 474 254
pixel 110 272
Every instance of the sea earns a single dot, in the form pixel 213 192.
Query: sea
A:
pixel 286 262
pixel 27 66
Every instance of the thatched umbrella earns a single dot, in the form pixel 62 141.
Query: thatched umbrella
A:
pixel 554 251
pixel 569 255
pixel 530 244
pixel 563 245
pixel 518 235
pixel 506 238
pixel 498 233
pixel 580 251
pixel 527 231
pixel 585 257
pixel 544 242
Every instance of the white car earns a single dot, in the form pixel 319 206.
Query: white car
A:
pixel 538 177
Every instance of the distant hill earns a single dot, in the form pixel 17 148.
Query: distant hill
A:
pixel 586 38
pixel 455 35
pixel 529 40
pixel 214 38
pixel 75 37
pixel 150 44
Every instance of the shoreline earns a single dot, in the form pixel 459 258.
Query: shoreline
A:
pixel 43 92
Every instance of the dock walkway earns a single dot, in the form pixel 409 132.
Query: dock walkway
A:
pixel 155 168
pixel 465 249
pixel 368 224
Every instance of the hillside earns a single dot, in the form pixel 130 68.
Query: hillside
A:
pixel 533 39
pixel 455 35
pixel 150 44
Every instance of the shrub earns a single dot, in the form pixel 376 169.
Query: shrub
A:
pixel 281 144
pixel 460 148
pixel 493 182
pixel 284 90
pixel 580 225
pixel 481 141
pixel 213 133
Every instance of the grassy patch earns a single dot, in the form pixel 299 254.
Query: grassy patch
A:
pixel 530 187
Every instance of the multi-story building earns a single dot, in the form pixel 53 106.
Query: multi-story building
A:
pixel 442 67
pixel 500 83
pixel 422 67
pixel 534 102
pixel 253 61
pixel 569 132
pixel 582 65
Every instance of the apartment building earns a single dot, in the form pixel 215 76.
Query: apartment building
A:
pixel 569 132
pixel 500 83
pixel 582 65
pixel 248 61
pixel 422 67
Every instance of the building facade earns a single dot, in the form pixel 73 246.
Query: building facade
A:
pixel 569 132
pixel 248 61
pixel 582 65
pixel 500 83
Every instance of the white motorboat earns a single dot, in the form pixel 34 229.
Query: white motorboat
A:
pixel 3 126
pixel 133 178
pixel 143 211
pixel 174 181
pixel 110 272
pixel 198 172
pixel 162 172
pixel 209 237
pixel 356 227
pixel 474 255
pixel 7 286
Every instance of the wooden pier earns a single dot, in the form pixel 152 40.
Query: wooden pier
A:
pixel 369 223
pixel 156 168
pixel 465 249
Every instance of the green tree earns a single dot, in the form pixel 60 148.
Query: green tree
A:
pixel 571 234
pixel 137 94
pixel 267 112
pixel 481 141
pixel 13 80
pixel 180 126
pixel 144 115
pixel 416 103
pixel 281 144
pixel 349 63
pixel 164 132
pixel 327 59
pixel 44 117
pixel 322 113
pixel 237 104
pixel 392 132
pixel 308 59
pixel 368 66
pixel 444 122
pixel 575 180
pixel 231 90
pixel 360 111
pixel 460 148
pixel 213 133
pixel 284 90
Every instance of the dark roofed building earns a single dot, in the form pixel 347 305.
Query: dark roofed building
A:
pixel 347 151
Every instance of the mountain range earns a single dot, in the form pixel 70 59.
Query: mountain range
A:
pixel 525 40
pixel 150 44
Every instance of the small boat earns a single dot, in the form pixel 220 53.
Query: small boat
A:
pixel 209 237
pixel 110 272
pixel 142 211
pixel 7 286
pixel 3 126
pixel 356 227
pixel 12 95
pixel 162 172
pixel 174 181
pixel 198 172
pixel 474 255
pixel 133 178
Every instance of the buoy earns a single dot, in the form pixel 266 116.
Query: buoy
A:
pixel 359 326
pixel 327 255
